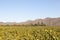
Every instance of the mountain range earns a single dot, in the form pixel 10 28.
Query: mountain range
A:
pixel 47 21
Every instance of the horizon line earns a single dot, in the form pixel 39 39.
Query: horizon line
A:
pixel 27 20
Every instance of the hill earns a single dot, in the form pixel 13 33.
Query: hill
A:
pixel 46 21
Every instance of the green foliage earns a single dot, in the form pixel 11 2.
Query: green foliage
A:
pixel 29 33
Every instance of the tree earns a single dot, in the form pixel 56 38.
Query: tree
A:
pixel 42 24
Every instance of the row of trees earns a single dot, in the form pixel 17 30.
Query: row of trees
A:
pixel 39 24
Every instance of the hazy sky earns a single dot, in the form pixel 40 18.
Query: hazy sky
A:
pixel 22 10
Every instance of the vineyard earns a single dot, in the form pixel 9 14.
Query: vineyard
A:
pixel 29 33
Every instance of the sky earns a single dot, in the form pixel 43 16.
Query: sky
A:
pixel 22 10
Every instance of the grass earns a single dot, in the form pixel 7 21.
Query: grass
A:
pixel 29 33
